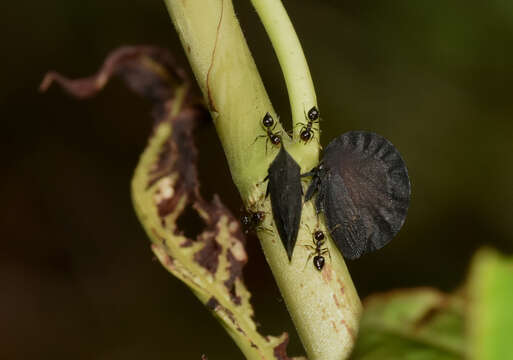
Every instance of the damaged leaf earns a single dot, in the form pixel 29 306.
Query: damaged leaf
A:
pixel 149 71
pixel 166 182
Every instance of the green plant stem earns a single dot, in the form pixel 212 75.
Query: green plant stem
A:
pixel 229 80
pixel 324 305
pixel 292 60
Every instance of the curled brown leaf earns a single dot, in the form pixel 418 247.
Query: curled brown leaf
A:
pixel 166 183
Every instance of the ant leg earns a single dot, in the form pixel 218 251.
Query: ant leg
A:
pixel 308 227
pixel 335 228
pixel 315 242
pixel 307 261
pixel 258 137
pixel 326 251
pixel 300 124
pixel 264 229
pixel 304 112
pixel 312 172
pixel 313 131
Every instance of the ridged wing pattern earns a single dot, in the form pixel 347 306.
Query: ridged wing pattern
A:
pixel 364 190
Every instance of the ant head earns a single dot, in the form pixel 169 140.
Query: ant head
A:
pixel 318 261
pixel 275 139
pixel 306 135
pixel 257 217
pixel 268 120
pixel 318 235
pixel 245 219
pixel 313 114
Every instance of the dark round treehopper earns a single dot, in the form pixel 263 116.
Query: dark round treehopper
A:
pixel 364 191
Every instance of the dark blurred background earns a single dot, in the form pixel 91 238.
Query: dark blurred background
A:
pixel 77 279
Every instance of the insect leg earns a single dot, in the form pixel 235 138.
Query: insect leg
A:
pixel 308 260
pixel 300 124
pixel 258 137
pixel 265 229
pixel 326 251
pixel 319 202
pixel 312 172
pixel 312 188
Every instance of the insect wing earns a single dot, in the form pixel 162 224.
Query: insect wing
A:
pixel 344 219
pixel 286 192
pixel 368 194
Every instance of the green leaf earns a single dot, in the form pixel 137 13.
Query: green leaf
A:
pixel 418 324
pixel 491 300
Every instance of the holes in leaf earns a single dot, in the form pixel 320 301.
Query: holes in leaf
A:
pixel 190 223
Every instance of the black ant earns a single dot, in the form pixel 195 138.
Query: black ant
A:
pixel 269 125
pixel 307 133
pixel 251 220
pixel 318 251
